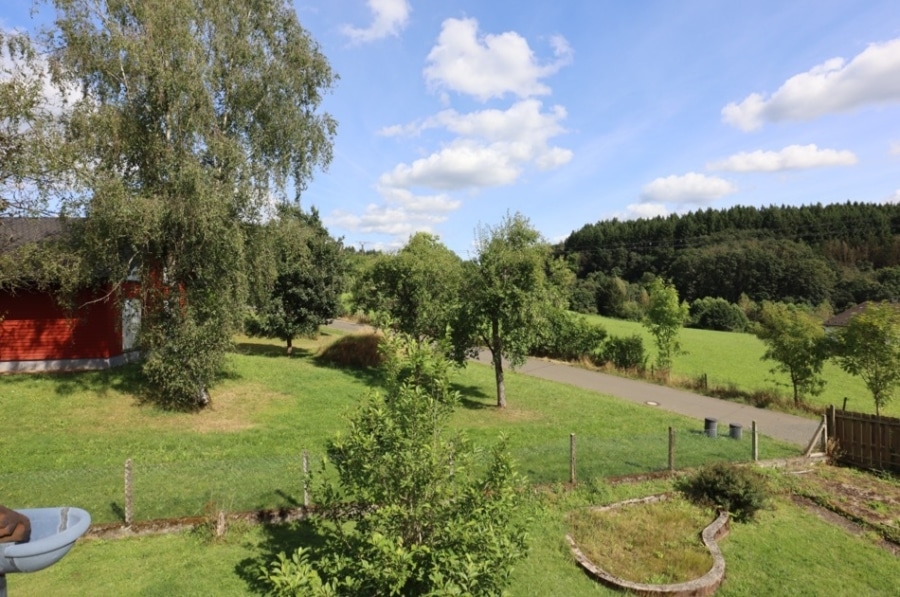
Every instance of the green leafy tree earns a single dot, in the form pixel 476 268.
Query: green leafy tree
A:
pixel 35 159
pixel 307 276
pixel 795 340
pixel 407 513
pixel 193 115
pixel 664 319
pixel 417 288
pixel 507 292
pixel 869 346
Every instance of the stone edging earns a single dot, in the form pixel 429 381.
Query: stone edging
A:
pixel 705 585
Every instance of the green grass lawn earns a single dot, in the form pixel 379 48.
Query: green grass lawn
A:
pixel 788 551
pixel 75 431
pixel 731 358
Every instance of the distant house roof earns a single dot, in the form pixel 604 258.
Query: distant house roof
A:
pixel 843 318
pixel 17 232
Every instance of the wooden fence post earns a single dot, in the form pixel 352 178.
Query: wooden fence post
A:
pixel 572 458
pixel 129 495
pixel 305 478
pixel 671 449
pixel 755 443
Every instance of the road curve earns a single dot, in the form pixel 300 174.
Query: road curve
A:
pixel 778 425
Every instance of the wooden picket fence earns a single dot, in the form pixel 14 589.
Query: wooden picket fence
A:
pixel 865 440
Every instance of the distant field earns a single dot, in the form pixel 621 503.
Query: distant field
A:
pixel 730 358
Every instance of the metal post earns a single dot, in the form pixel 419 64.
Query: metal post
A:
pixel 755 444
pixel 572 458
pixel 671 449
pixel 129 495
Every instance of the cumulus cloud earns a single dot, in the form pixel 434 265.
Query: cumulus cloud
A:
pixel 462 165
pixel 488 148
pixel 689 188
pixel 492 149
pixel 404 213
pixel 871 77
pixel 792 157
pixel 895 148
pixel 893 197
pixel 490 66
pixel 389 18
pixel 644 210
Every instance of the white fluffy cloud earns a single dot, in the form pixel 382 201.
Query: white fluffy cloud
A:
pixel 459 166
pixel 792 157
pixel 490 66
pixel 644 210
pixel 689 188
pixel 389 18
pixel 403 214
pixel 488 148
pixel 871 77
pixel 893 197
pixel 492 149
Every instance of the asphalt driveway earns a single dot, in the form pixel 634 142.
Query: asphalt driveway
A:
pixel 789 428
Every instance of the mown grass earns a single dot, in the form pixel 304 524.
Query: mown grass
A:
pixel 73 434
pixel 788 551
pixel 733 359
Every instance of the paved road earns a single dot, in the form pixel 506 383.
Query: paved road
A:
pixel 789 428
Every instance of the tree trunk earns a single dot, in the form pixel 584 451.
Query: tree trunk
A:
pixel 501 389
pixel 290 346
pixel 497 357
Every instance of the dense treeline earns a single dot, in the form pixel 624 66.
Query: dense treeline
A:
pixel 841 253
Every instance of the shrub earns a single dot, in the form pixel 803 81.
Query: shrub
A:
pixel 405 505
pixel 717 314
pixel 624 352
pixel 184 358
pixel 568 337
pixel 359 351
pixel 740 490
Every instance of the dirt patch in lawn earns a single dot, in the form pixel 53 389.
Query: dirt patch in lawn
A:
pixel 869 499
pixel 232 409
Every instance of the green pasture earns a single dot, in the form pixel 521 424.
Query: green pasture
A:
pixel 733 359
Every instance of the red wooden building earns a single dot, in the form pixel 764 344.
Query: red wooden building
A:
pixel 38 334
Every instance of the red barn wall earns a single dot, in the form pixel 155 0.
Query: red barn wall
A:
pixel 33 327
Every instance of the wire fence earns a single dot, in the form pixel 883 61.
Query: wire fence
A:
pixel 194 488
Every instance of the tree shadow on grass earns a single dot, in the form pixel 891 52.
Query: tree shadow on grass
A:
pixel 125 379
pixel 264 349
pixel 472 397
pixel 279 538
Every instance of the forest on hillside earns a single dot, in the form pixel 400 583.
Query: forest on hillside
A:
pixel 841 253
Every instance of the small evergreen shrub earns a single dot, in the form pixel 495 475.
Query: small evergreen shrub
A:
pixel 740 490
pixel 624 352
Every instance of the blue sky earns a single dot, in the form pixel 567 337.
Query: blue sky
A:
pixel 453 112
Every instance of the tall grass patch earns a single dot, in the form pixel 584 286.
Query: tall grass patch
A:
pixel 655 542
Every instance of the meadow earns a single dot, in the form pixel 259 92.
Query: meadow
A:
pixel 735 360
